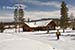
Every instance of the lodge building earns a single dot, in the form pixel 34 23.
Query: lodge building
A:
pixel 30 26
pixel 39 26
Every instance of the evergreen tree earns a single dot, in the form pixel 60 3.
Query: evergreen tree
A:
pixel 64 16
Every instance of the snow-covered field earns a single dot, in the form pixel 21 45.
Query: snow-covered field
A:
pixel 37 40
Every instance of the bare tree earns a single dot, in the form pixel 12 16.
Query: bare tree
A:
pixel 15 18
pixel 18 16
pixel 72 20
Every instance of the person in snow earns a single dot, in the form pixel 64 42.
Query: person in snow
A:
pixel 58 34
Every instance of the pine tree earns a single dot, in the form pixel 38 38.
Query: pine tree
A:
pixel 64 16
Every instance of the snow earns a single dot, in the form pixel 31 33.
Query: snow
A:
pixel 31 24
pixel 14 41
pixel 42 23
pixel 39 40
pixel 9 30
pixel 24 44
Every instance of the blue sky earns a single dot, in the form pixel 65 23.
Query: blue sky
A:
pixel 36 8
pixel 36 4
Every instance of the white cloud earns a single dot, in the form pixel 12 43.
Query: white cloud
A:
pixel 50 14
pixel 42 14
pixel 13 7
pixel 71 10
pixel 33 14
pixel 56 4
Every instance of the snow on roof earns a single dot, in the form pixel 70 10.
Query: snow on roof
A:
pixel 31 24
pixel 39 23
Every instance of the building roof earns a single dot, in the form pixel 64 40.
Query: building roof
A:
pixel 38 24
